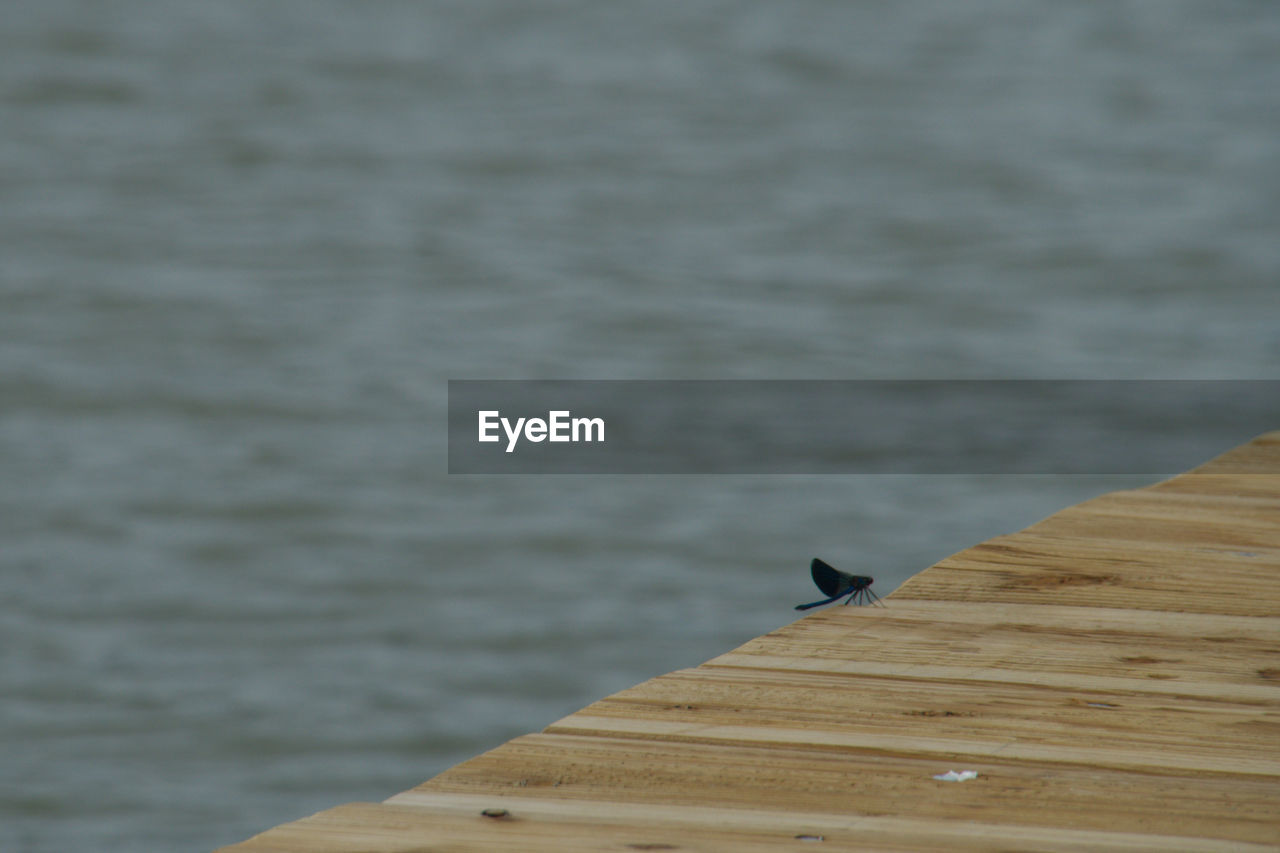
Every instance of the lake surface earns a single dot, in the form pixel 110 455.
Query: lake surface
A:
pixel 244 246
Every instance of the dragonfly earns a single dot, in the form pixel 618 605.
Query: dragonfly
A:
pixel 838 584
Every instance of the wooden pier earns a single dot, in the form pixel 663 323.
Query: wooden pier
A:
pixel 1112 674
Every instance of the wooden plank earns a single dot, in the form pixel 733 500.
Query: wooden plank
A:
pixel 418 823
pixel 866 782
pixel 1233 525
pixel 1027 568
pixel 1112 674
pixel 1227 657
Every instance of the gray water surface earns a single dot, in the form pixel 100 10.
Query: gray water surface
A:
pixel 243 247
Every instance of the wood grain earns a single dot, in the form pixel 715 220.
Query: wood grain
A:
pixel 1112 674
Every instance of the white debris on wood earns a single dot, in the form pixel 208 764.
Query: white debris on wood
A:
pixel 957 776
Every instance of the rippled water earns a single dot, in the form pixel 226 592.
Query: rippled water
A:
pixel 244 245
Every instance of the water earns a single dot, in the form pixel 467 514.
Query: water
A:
pixel 243 246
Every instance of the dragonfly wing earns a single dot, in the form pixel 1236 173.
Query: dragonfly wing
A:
pixel 830 580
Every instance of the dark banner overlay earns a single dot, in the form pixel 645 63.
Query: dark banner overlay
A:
pixel 1144 427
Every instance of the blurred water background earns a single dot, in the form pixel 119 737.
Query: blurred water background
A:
pixel 244 245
